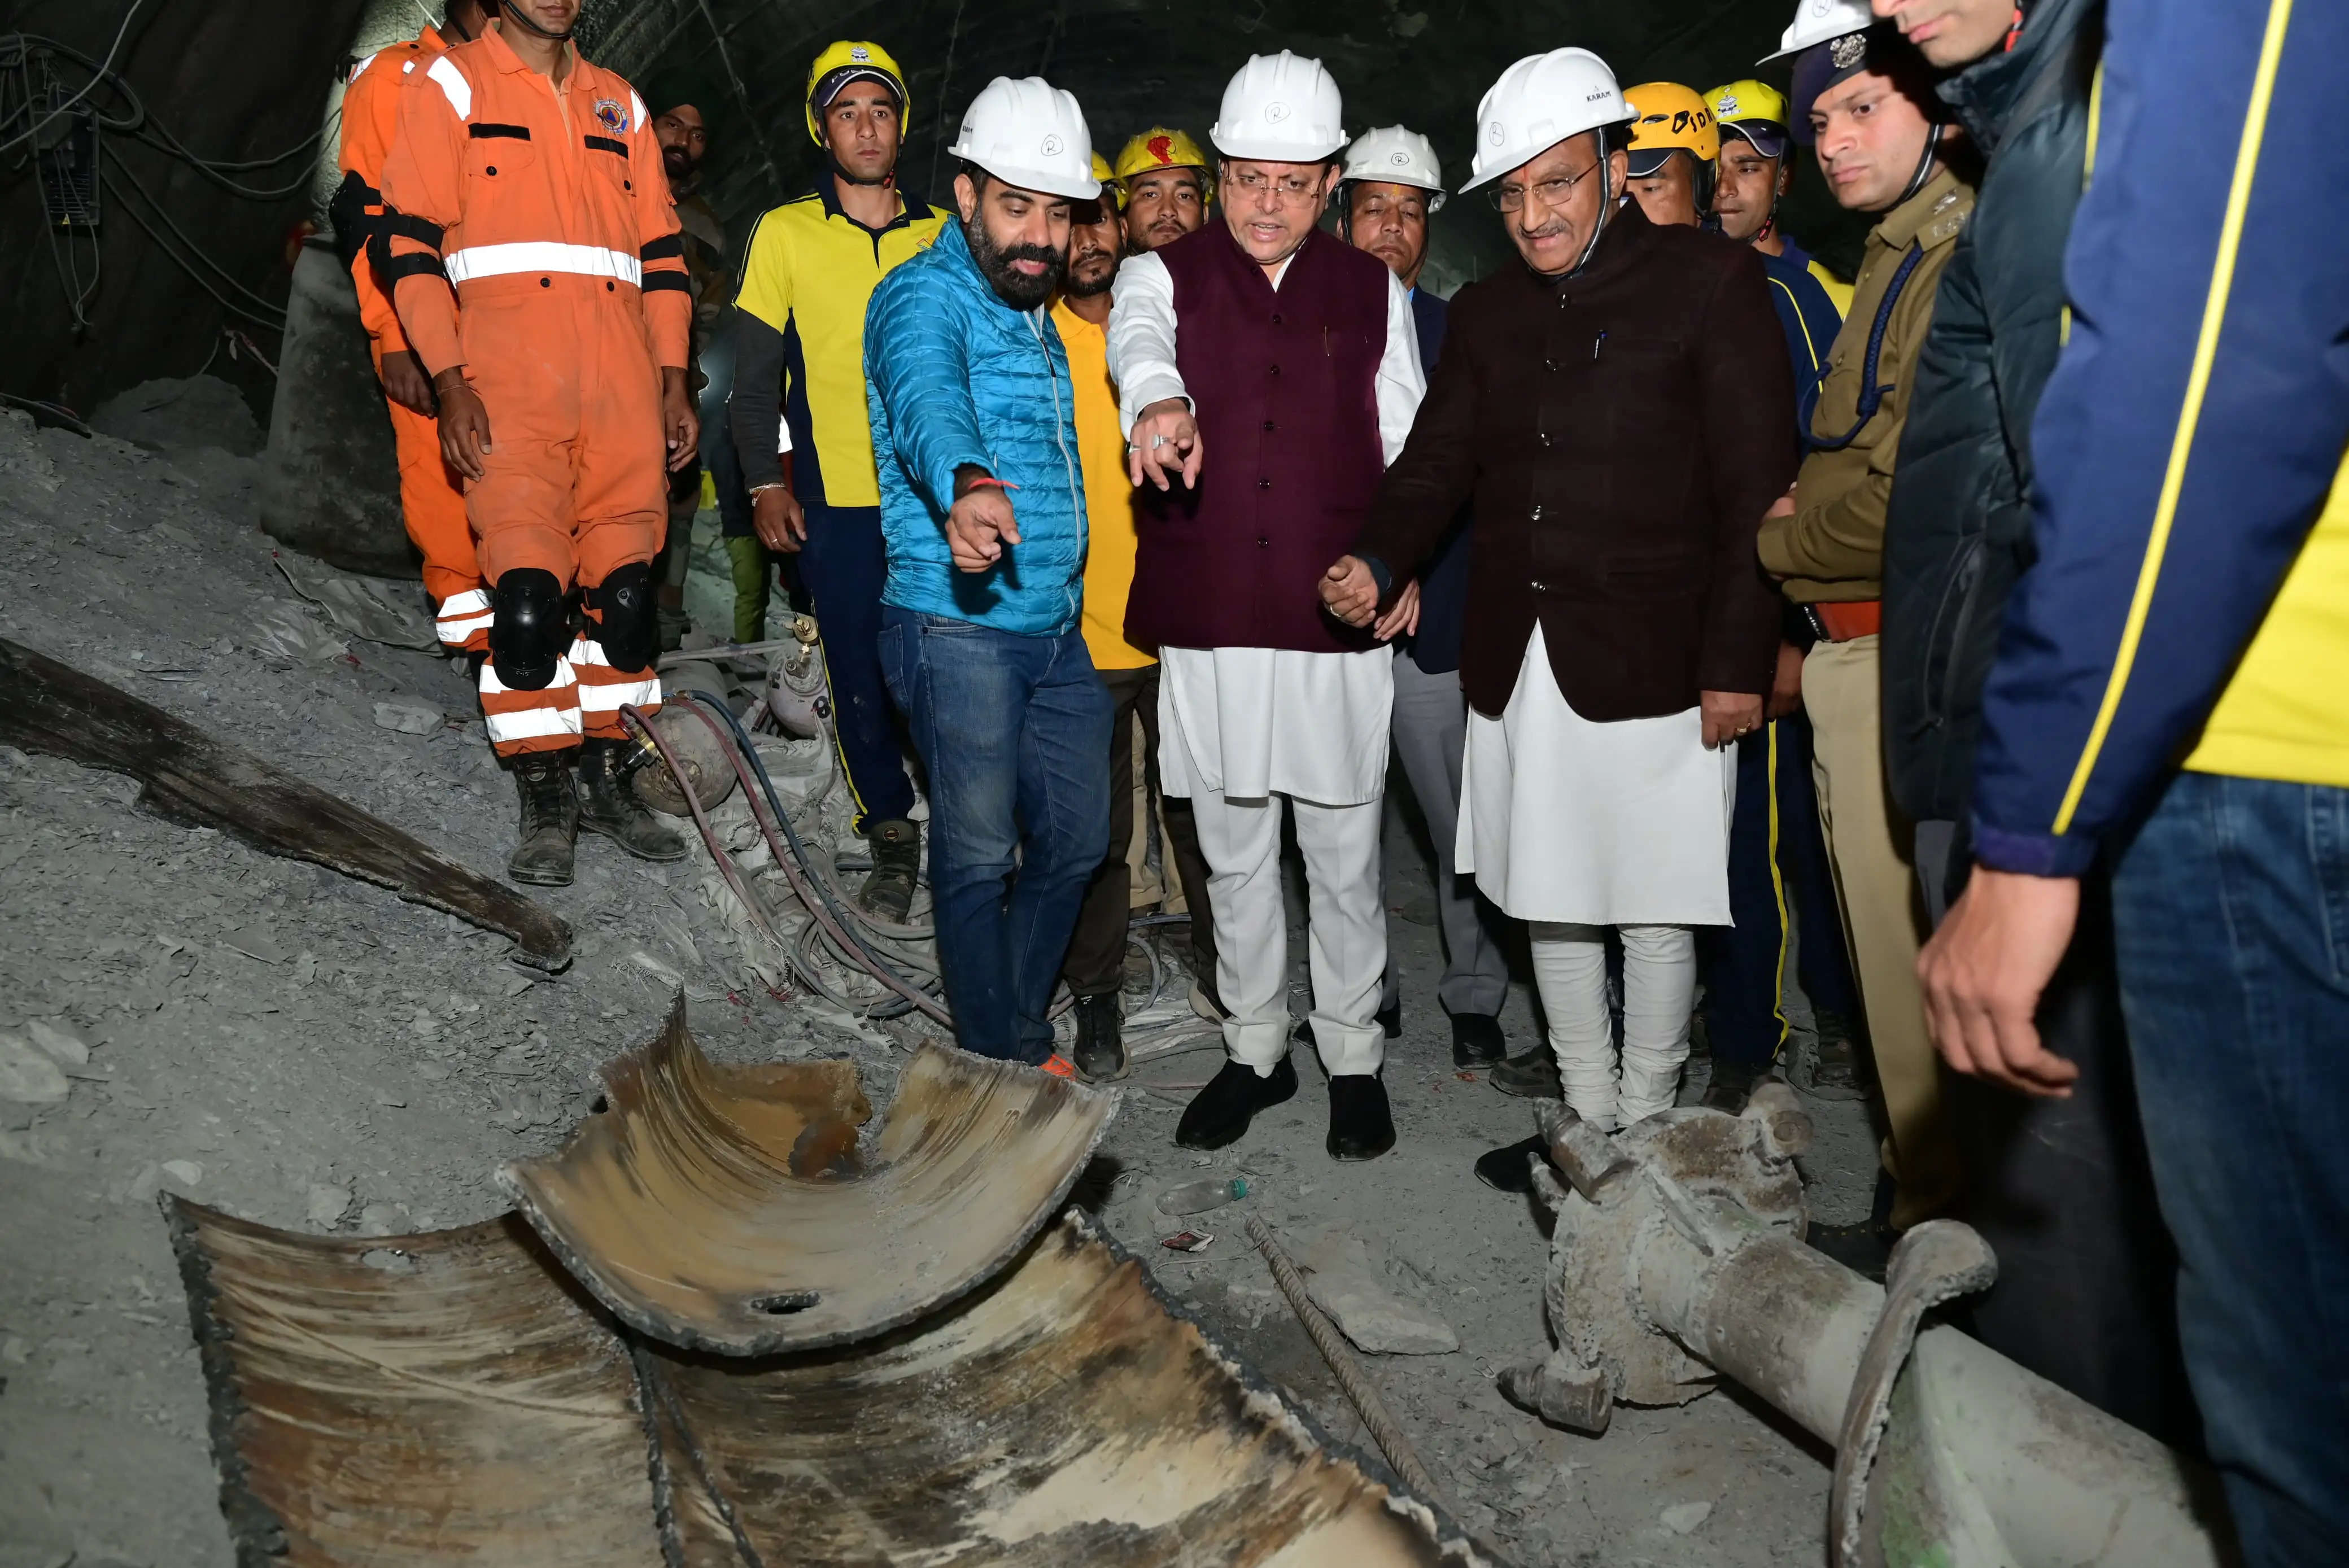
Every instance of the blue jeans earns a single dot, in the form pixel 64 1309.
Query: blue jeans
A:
pixel 1015 732
pixel 2231 911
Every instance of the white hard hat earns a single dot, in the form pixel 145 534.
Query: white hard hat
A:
pixel 1282 109
pixel 1817 21
pixel 1539 102
pixel 1030 134
pixel 1397 157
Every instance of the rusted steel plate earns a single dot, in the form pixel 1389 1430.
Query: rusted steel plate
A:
pixel 398 1402
pixel 724 1209
pixel 1060 1416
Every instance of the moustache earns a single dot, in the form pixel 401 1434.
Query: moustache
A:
pixel 1044 253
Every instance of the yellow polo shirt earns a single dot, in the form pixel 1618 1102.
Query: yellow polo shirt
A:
pixel 1108 494
pixel 2279 717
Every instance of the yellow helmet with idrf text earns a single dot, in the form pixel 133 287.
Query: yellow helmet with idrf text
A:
pixel 850 60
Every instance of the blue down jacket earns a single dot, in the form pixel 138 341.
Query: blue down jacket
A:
pixel 953 376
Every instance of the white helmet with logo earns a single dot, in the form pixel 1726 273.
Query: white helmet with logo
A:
pixel 1817 21
pixel 1539 102
pixel 1396 157
pixel 1282 109
pixel 1030 134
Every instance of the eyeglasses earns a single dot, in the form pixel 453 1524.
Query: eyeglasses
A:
pixel 1290 188
pixel 1550 193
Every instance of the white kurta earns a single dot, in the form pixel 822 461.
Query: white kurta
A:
pixel 1273 721
pixel 1596 824
pixel 1240 727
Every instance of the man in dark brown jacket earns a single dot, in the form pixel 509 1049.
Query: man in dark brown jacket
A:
pixel 1616 410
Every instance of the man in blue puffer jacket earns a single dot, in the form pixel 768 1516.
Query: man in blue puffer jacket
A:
pixel 982 508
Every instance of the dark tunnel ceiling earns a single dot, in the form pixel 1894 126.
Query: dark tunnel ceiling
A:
pixel 1424 63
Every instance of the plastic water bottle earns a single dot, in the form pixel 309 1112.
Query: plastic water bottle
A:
pixel 1193 1197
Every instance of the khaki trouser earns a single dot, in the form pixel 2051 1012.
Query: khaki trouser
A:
pixel 1876 882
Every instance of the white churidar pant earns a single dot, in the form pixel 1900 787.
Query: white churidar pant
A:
pixel 1577 826
pixel 1240 729
pixel 1658 994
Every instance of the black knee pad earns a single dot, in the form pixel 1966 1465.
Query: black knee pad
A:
pixel 530 628
pixel 628 630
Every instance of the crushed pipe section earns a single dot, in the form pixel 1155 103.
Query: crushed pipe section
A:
pixel 453 1397
pixel 1677 1257
pixel 729 1209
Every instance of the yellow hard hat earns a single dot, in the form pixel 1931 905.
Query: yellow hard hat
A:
pixel 1667 118
pixel 1159 147
pixel 1754 111
pixel 1111 191
pixel 845 62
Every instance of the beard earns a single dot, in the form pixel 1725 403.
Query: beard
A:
pixel 1085 282
pixel 1017 289
pixel 680 164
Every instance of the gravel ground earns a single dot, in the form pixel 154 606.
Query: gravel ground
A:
pixel 311 1052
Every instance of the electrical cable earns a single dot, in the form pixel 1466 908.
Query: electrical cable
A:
pixel 275 322
pixel 101 74
pixel 793 862
pixel 188 241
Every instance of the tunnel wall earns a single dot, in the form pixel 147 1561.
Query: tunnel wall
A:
pixel 237 80
pixel 233 79
pixel 1424 63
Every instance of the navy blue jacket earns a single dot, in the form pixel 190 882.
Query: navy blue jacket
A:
pixel 1443 586
pixel 2194 427
pixel 1811 321
pixel 1957 533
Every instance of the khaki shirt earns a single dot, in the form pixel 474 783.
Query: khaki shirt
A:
pixel 1832 548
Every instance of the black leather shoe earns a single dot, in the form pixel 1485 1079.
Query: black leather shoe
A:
pixel 1505 1168
pixel 1477 1041
pixel 1100 1053
pixel 1220 1113
pixel 1533 1076
pixel 1360 1124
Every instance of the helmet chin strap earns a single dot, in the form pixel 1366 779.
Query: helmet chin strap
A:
pixel 517 14
pixel 1924 164
pixel 1606 211
pixel 841 171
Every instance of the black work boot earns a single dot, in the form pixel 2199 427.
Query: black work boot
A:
pixel 1360 1124
pixel 889 892
pixel 1477 1041
pixel 1100 1054
pixel 1220 1113
pixel 550 819
pixel 1731 1086
pixel 1830 1068
pixel 1533 1075
pixel 609 805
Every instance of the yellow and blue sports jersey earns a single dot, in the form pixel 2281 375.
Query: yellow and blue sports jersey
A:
pixel 807 275
pixel 2189 598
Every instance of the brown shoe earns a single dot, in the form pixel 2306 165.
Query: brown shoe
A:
pixel 1532 1076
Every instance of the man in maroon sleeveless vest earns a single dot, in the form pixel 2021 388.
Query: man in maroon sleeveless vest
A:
pixel 1267 371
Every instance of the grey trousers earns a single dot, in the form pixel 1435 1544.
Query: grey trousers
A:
pixel 1431 734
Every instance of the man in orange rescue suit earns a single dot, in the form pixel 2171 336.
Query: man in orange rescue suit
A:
pixel 431 501
pixel 534 254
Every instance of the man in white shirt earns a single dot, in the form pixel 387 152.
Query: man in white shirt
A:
pixel 1294 357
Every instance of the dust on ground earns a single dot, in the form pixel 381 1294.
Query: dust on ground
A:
pixel 310 1052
